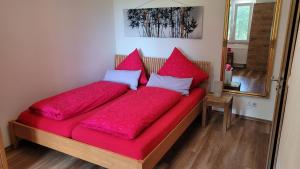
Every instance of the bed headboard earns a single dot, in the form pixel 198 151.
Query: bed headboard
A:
pixel 152 65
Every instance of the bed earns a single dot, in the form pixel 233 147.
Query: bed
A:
pixel 83 148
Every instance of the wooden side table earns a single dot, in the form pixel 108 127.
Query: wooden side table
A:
pixel 3 160
pixel 225 102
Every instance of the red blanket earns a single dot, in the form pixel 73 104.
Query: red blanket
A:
pixel 130 114
pixel 79 100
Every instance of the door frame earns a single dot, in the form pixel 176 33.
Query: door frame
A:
pixel 282 89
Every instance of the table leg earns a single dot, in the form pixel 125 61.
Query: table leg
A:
pixel 204 114
pixel 209 109
pixel 230 116
pixel 225 118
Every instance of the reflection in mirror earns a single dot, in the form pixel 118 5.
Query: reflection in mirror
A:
pixel 248 45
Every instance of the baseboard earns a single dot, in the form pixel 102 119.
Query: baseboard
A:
pixel 252 118
pixel 245 117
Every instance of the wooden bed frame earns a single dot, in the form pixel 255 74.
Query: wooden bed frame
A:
pixel 104 157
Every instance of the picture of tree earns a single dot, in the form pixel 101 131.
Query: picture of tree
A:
pixel 173 22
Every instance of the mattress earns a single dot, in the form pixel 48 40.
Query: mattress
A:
pixel 141 146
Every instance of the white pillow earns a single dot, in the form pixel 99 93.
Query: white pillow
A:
pixel 181 85
pixel 130 78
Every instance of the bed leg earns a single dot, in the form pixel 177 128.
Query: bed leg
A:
pixel 13 138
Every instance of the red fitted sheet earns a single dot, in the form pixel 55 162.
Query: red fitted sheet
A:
pixel 141 146
pixel 61 127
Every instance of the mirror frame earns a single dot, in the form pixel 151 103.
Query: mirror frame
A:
pixel 272 48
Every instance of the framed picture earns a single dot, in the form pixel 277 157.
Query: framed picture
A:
pixel 171 22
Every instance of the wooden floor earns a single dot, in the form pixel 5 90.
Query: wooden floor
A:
pixel 251 81
pixel 244 146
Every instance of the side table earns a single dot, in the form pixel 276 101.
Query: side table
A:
pixel 225 102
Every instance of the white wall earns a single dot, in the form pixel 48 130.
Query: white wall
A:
pixel 209 48
pixel 289 147
pixel 47 46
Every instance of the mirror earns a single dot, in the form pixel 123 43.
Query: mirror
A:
pixel 250 34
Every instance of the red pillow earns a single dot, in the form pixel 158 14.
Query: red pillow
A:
pixel 179 66
pixel 134 62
